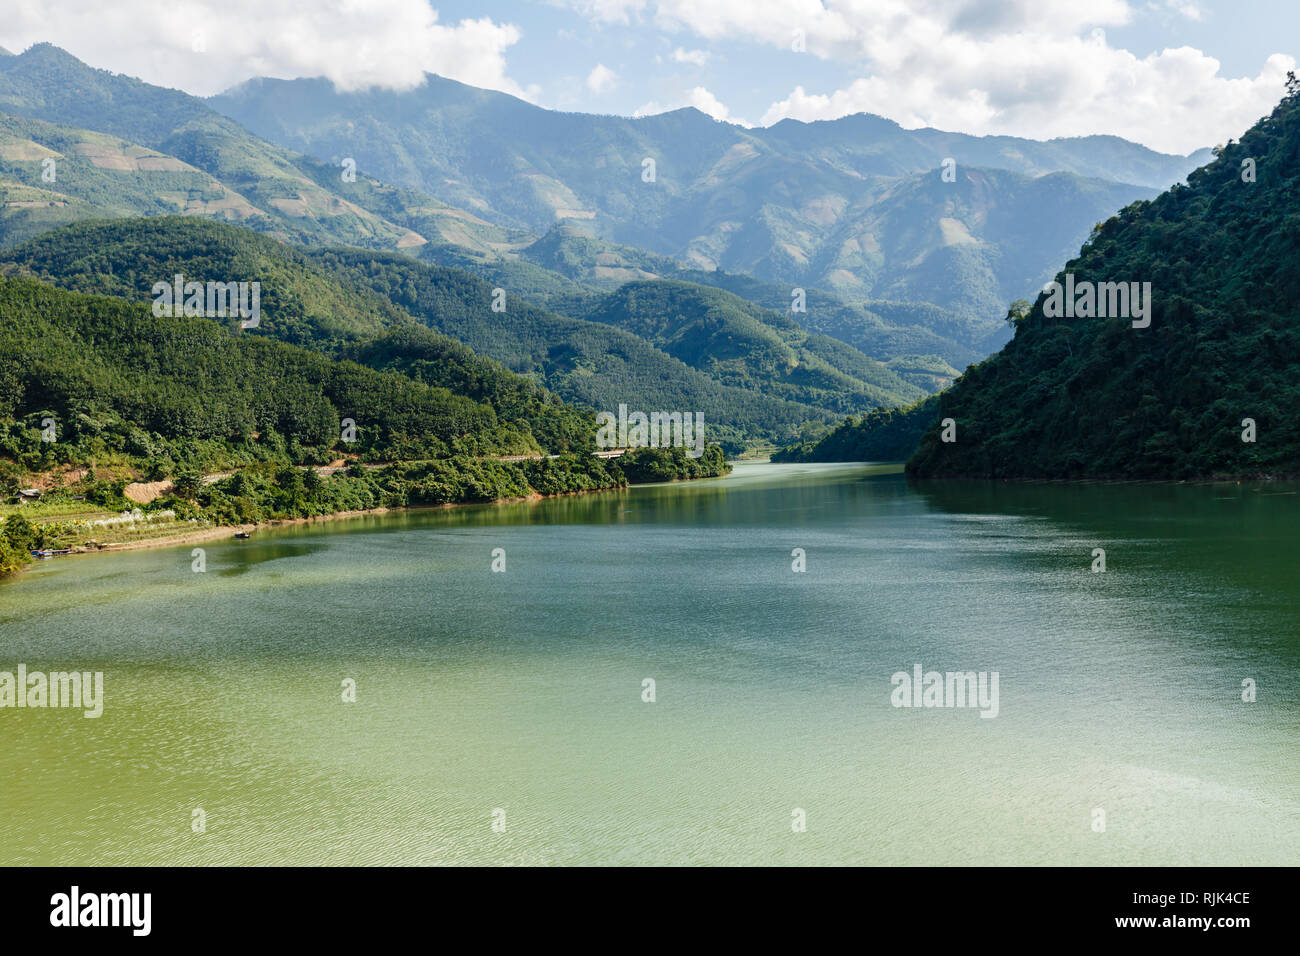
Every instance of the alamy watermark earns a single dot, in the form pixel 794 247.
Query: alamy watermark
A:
pixel 129 910
pixel 75 689
pixel 656 430
pixel 1100 300
pixel 923 688
pixel 213 300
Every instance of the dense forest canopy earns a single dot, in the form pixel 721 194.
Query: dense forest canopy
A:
pixel 884 434
pixel 1184 397
pixel 301 303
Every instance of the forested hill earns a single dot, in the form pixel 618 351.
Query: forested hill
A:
pixel 741 344
pixel 184 392
pixel 301 303
pixel 589 363
pixel 96 391
pixel 1097 397
pixel 883 434
pixel 340 301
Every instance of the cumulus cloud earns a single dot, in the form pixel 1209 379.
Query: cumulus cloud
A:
pixel 701 99
pixel 1174 100
pixel 695 57
pixel 1038 68
pixel 707 103
pixel 601 79
pixel 205 46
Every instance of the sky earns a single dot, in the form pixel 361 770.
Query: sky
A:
pixel 1175 75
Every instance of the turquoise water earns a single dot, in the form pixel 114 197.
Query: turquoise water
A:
pixel 521 691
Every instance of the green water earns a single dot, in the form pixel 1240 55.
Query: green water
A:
pixel 522 691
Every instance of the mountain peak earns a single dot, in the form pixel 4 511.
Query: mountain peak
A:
pixel 49 53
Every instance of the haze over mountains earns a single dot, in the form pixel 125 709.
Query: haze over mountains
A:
pixel 856 206
pixel 906 263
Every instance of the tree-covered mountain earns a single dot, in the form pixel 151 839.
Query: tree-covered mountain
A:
pixel 820 204
pixel 740 344
pixel 97 390
pixel 883 434
pixel 125 147
pixel 385 310
pixel 300 302
pixel 126 257
pixel 1207 388
pixel 569 271
pixel 590 363
pixel 116 378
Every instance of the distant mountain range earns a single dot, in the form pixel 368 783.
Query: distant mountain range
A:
pixel 776 279
pixel 857 206
pixel 157 150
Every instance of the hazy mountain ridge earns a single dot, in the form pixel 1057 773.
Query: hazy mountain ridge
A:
pixel 105 172
pixel 252 182
pixel 569 271
pixel 796 203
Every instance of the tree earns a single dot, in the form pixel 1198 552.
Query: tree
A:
pixel 1018 312
pixel 18 533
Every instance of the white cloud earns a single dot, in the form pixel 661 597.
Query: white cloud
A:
pixel 354 43
pixel 696 57
pixel 1173 101
pixel 609 11
pixel 701 99
pixel 601 78
pixel 1038 68
pixel 707 103
pixel 1185 7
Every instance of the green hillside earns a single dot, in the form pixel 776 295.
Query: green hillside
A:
pixel 591 363
pixel 52 175
pixel 95 391
pixel 341 301
pixel 740 344
pixel 883 434
pixel 301 303
pixel 569 271
pixel 131 148
pixel 1096 397
pixel 186 392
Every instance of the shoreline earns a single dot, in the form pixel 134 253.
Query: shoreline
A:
pixel 218 532
pixel 224 531
pixel 1086 480
pixel 228 531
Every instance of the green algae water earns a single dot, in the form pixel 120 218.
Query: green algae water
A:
pixel 500 717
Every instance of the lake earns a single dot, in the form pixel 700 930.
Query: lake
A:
pixel 500 716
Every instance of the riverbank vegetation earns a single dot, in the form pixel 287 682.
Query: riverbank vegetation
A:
pixel 99 396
